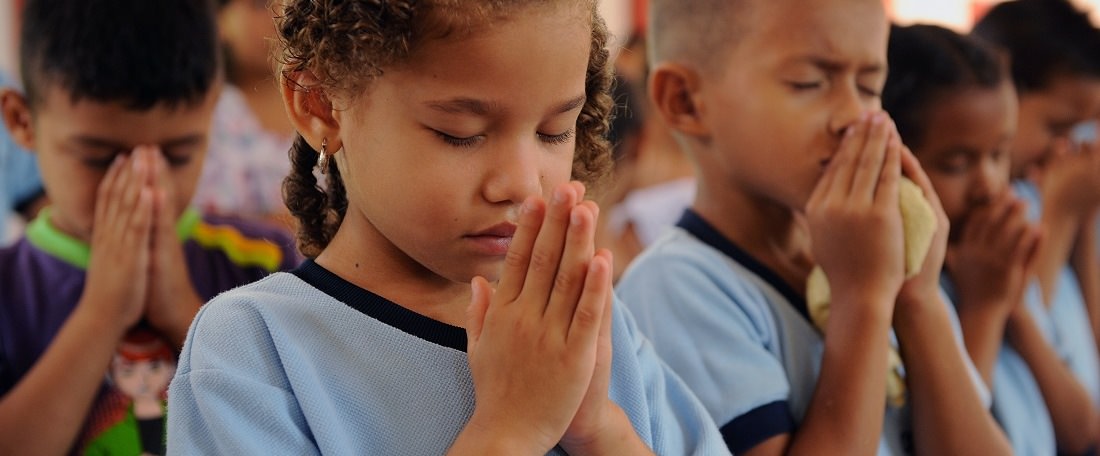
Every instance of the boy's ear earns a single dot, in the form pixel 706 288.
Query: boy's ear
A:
pixel 674 89
pixel 17 118
pixel 310 110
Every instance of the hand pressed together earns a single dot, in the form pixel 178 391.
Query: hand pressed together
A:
pixel 994 254
pixel 137 266
pixel 540 343
pixel 854 221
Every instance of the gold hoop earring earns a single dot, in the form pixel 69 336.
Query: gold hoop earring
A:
pixel 322 158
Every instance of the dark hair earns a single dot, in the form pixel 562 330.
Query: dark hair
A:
pixel 346 45
pixel 1046 38
pixel 928 62
pixel 137 52
pixel 696 31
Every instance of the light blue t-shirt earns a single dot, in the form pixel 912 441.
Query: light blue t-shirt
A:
pixel 307 363
pixel 1072 335
pixel 738 335
pixel 19 178
pixel 1018 404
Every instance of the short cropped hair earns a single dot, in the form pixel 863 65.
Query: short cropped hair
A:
pixel 693 30
pixel 140 53
pixel 1046 39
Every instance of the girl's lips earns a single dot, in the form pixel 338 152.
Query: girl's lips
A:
pixel 495 240
pixel 491 245
pixel 503 229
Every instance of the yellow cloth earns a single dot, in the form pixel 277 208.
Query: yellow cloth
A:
pixel 919 225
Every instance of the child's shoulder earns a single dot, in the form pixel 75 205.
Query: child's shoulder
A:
pixel 683 262
pixel 276 296
pixel 676 249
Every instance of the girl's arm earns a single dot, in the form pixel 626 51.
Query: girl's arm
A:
pixel 948 414
pixel 989 265
pixel 1075 418
pixel 1086 266
pixel 1070 194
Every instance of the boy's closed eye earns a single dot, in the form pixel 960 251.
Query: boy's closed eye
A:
pixel 100 153
pixel 803 86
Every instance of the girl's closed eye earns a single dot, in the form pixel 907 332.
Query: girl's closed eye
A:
pixel 561 138
pixel 459 141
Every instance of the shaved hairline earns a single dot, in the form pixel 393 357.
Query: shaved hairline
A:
pixel 697 32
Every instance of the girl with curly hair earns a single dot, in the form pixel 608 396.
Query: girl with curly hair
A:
pixel 453 301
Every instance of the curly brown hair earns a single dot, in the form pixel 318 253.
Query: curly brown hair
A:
pixel 347 44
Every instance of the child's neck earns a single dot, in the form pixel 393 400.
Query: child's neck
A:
pixel 361 255
pixel 771 233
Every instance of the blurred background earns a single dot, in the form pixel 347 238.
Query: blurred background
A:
pixel 625 16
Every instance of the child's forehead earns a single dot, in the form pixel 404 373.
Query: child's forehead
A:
pixel 117 124
pixel 57 101
pixel 1069 96
pixel 841 29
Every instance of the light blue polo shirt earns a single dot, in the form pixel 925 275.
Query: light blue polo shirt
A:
pixel 1071 335
pixel 738 335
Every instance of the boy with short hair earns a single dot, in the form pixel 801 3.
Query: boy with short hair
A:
pixel 778 108
pixel 118 101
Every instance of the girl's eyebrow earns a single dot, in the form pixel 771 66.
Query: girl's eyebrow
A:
pixel 464 106
pixel 570 105
pixel 483 108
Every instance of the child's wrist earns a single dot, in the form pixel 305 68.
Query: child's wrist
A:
pixel 864 304
pixel 919 295
pixel 617 437
pixel 490 436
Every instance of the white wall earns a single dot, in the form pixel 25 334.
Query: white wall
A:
pixel 618 14
pixel 949 13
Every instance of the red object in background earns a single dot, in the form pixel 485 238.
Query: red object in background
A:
pixel 640 8
pixel 978 9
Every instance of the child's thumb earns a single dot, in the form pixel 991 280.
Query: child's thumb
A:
pixel 480 296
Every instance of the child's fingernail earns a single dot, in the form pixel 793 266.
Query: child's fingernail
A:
pixel 559 196
pixel 575 217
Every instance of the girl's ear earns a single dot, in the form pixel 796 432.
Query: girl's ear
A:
pixel 310 109
pixel 674 89
pixel 17 118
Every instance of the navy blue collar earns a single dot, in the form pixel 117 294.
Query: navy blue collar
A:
pixel 380 308
pixel 694 224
